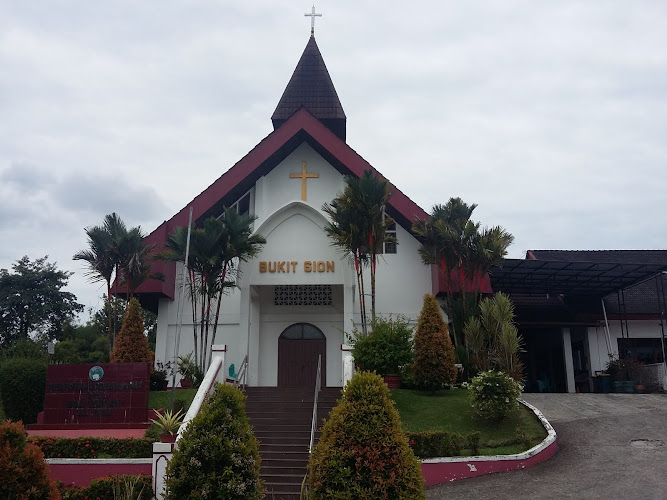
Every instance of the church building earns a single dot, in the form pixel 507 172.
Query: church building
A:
pixel 297 299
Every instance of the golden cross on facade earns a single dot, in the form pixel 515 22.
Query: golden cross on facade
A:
pixel 303 176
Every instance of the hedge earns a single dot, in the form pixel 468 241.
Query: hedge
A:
pixel 22 386
pixel 93 447
pixel 430 444
pixel 129 487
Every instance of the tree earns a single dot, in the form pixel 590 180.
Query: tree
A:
pixel 455 243
pixel 363 452
pixel 32 301
pixel 131 344
pixel 493 338
pixel 358 225
pixel 218 455
pixel 216 250
pixel 116 255
pixel 434 353
pixel 23 472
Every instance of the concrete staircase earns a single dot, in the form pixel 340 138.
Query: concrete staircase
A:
pixel 281 418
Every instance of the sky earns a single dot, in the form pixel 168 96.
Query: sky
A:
pixel 551 116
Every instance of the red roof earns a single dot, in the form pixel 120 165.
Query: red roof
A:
pixel 477 284
pixel 301 126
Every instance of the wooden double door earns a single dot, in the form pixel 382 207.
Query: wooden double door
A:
pixel 299 347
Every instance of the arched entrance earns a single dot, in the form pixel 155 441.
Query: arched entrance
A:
pixel 298 349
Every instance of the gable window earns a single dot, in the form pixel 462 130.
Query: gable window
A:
pixel 390 233
pixel 242 205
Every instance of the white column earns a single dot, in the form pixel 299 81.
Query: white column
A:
pixel 348 363
pixel 162 453
pixel 569 364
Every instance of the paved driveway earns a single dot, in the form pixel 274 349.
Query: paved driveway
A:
pixel 610 446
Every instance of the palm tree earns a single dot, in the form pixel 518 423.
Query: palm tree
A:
pixel 116 254
pixel 454 242
pixel 100 265
pixel 358 225
pixel 238 244
pixel 216 249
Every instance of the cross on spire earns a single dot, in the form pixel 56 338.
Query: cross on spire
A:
pixel 312 16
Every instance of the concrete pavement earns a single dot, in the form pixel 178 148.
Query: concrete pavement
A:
pixel 611 446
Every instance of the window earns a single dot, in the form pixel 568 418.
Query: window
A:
pixel 645 350
pixel 390 246
pixel 242 205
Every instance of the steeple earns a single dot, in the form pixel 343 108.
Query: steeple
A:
pixel 311 87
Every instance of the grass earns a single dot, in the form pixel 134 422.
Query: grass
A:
pixel 162 399
pixel 450 410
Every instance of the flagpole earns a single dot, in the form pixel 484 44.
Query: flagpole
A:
pixel 179 314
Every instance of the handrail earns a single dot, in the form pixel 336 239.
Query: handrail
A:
pixel 242 373
pixel 205 388
pixel 318 387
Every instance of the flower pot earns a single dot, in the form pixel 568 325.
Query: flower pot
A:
pixel 392 381
pixel 186 383
pixel 168 438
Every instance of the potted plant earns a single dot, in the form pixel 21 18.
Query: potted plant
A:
pixel 190 373
pixel 160 375
pixel 385 350
pixel 168 424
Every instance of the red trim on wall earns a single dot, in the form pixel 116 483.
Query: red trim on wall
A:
pixel 82 474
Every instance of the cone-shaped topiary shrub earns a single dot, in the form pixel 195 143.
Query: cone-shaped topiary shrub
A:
pixel 218 455
pixel 23 471
pixel 363 452
pixel 434 353
pixel 131 345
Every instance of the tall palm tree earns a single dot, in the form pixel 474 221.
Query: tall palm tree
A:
pixel 216 249
pixel 237 244
pixel 358 225
pixel 100 264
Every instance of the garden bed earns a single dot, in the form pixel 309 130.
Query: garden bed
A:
pixel 450 411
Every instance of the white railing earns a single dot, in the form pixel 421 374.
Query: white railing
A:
pixel 318 387
pixel 162 452
pixel 241 376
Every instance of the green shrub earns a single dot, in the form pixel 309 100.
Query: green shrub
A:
pixel 435 364
pixel 22 386
pixel 93 447
pixel 124 487
pixel 493 395
pixel 386 349
pixel 131 345
pixel 217 455
pixel 493 339
pixel 429 444
pixel 363 453
pixel 23 472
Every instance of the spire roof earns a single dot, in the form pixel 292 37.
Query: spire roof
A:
pixel 311 87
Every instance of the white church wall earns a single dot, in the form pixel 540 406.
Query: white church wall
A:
pixel 277 189
pixel 401 279
pixel 227 331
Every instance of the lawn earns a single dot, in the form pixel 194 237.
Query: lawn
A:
pixel 450 410
pixel 162 399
